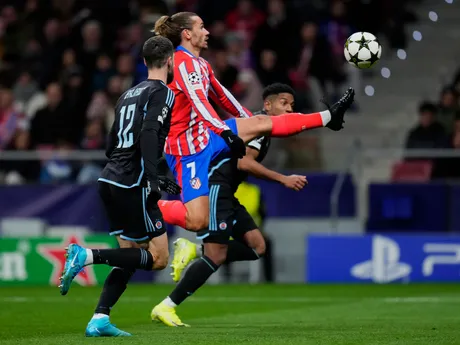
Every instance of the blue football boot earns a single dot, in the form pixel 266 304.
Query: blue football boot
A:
pixel 101 327
pixel 74 263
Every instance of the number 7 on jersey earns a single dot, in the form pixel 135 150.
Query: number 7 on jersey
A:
pixel 192 167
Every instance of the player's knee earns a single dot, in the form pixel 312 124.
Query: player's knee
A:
pixel 260 248
pixel 197 222
pixel 161 262
pixel 261 123
pixel 218 257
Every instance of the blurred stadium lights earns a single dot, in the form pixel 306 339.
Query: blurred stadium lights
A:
pixel 433 16
pixel 386 73
pixel 417 35
pixel 369 90
pixel 401 53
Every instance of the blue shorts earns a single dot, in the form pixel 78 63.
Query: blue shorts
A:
pixel 191 172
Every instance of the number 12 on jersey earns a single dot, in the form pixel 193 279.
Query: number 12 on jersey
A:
pixel 125 137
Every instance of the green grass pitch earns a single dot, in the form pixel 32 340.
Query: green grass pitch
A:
pixel 243 314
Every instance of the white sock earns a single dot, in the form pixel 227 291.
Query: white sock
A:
pixel 325 117
pixel 89 258
pixel 199 250
pixel 168 301
pixel 99 316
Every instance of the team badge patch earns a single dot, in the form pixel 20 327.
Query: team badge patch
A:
pixel 194 78
pixel 223 226
pixel 195 183
pixel 164 112
pixel 158 224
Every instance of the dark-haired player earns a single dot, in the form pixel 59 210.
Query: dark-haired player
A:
pixel 130 188
pixel 227 216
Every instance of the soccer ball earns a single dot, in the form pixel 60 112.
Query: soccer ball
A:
pixel 362 50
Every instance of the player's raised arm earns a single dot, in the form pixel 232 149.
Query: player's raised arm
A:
pixel 224 98
pixel 190 82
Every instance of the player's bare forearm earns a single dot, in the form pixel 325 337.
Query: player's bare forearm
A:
pixel 250 165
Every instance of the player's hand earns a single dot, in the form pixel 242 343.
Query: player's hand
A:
pixel 153 191
pixel 294 182
pixel 235 143
pixel 168 185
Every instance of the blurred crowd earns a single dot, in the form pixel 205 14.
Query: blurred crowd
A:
pixel 64 63
pixel 438 127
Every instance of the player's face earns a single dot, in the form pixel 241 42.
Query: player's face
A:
pixel 199 35
pixel 281 104
pixel 170 76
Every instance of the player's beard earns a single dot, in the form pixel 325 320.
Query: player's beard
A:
pixel 170 76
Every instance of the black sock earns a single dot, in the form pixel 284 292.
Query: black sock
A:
pixel 129 258
pixel 114 286
pixel 197 274
pixel 238 251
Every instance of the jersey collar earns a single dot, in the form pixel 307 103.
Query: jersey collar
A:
pixel 181 48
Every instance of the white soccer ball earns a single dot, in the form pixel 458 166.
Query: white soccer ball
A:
pixel 362 50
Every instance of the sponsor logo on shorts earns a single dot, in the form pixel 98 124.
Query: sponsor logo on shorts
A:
pixel 223 226
pixel 158 224
pixel 195 183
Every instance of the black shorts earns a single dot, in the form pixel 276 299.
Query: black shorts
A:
pixel 131 212
pixel 227 217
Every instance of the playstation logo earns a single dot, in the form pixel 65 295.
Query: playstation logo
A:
pixel 384 266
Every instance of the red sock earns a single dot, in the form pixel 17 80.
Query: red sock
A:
pixel 290 124
pixel 173 211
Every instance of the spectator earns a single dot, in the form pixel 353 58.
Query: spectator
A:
pixel 54 122
pixel 11 121
pixel 278 34
pixel 428 133
pixel 448 107
pixel 52 47
pixel 245 19
pixel 225 73
pixel 94 139
pixel 449 168
pixel 309 75
pixel 269 71
pixel 24 89
pixel 104 71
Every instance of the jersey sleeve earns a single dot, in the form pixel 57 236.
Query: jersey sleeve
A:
pixel 189 80
pixel 112 137
pixel 151 131
pixel 256 143
pixel 221 96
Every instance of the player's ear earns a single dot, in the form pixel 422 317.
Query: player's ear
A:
pixel 145 62
pixel 267 105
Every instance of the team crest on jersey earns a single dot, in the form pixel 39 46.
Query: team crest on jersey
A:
pixel 195 183
pixel 194 78
pixel 223 226
pixel 158 224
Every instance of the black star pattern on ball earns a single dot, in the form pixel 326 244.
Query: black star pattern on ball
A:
pixel 362 42
pixel 374 58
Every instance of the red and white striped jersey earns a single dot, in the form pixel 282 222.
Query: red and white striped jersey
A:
pixel 192 115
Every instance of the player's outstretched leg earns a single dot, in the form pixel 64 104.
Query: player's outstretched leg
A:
pixel 291 124
pixel 78 257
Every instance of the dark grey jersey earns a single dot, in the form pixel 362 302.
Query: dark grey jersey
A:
pixel 137 137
